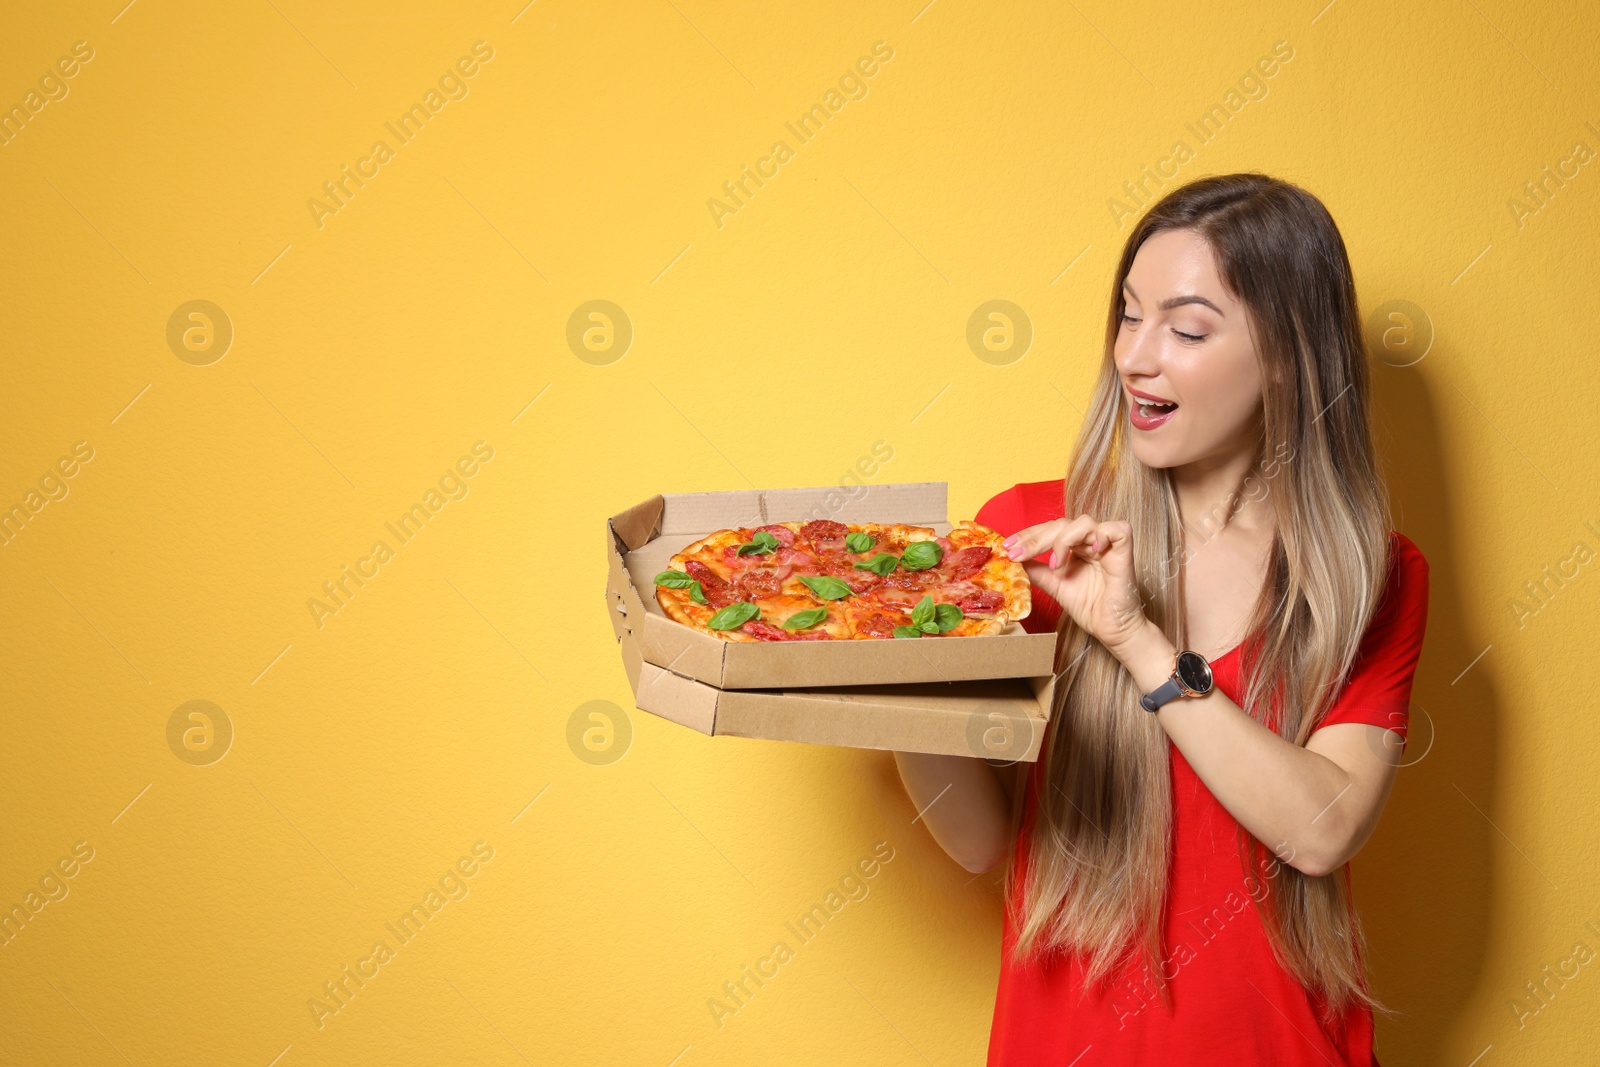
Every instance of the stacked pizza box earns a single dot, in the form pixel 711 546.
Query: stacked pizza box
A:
pixel 986 696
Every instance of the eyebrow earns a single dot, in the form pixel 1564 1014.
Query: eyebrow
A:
pixel 1178 301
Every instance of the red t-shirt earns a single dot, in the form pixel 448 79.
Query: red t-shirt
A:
pixel 1232 1002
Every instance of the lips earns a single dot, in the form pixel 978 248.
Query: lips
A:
pixel 1139 394
pixel 1146 411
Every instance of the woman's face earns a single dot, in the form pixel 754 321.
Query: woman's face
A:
pixel 1184 339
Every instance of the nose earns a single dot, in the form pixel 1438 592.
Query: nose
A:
pixel 1137 354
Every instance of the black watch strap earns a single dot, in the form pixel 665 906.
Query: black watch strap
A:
pixel 1167 691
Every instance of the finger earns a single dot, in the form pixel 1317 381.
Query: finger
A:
pixel 1109 536
pixel 1031 541
pixel 1077 539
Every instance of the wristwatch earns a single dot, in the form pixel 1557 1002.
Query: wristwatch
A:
pixel 1191 677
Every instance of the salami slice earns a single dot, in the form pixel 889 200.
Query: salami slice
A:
pixel 844 568
pixel 801 562
pixel 897 597
pixel 784 535
pixel 765 631
pixel 966 562
pixel 915 581
pixel 955 592
pixel 825 534
pixel 986 602
pixel 757 583
pixel 876 625
pixel 719 594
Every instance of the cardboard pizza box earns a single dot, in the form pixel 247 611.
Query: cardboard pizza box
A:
pixel 640 540
pixel 999 720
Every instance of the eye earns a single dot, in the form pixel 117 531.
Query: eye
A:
pixel 1129 319
pixel 1190 338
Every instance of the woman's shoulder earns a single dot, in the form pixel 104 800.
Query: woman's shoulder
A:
pixel 1405 595
pixel 1408 567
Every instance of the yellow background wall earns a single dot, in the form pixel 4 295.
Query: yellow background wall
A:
pixel 366 751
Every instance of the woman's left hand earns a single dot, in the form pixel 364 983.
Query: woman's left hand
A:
pixel 1090 573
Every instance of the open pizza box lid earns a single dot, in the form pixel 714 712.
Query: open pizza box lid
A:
pixel 639 542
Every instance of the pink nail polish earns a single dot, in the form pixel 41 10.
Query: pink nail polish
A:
pixel 1052 559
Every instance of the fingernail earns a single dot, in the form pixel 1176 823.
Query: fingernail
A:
pixel 1052 559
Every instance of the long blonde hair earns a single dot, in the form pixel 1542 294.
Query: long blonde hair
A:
pixel 1097 870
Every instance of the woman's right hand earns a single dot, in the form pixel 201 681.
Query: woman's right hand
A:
pixel 1090 573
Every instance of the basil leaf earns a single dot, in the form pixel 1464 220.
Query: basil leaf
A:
pixel 680 580
pixel 734 616
pixel 929 627
pixel 923 613
pixel 920 555
pixel 760 544
pixel 858 542
pixel 826 586
pixel 880 564
pixel 802 619
pixel 907 631
pixel 948 616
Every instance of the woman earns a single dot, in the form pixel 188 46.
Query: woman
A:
pixel 1179 888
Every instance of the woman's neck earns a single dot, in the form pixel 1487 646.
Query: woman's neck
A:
pixel 1213 497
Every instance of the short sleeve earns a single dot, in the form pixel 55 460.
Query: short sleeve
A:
pixel 1379 689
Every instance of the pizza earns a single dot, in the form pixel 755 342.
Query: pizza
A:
pixel 832 581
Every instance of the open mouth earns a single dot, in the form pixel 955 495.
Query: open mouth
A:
pixel 1147 414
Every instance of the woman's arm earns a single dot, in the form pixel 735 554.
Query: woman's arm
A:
pixel 1313 806
pixel 964 804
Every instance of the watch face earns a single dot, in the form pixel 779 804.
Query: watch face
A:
pixel 1194 672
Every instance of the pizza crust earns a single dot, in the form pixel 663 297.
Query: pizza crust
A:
pixel 1002 573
